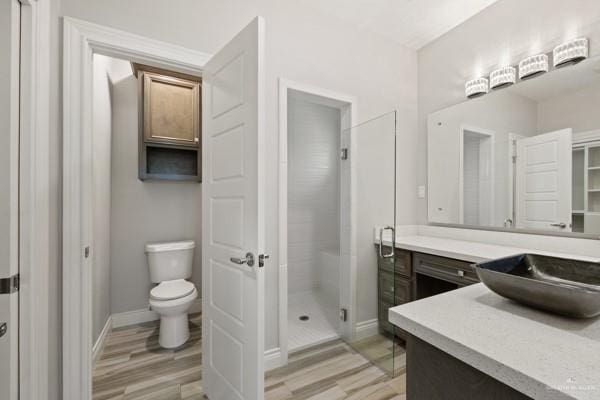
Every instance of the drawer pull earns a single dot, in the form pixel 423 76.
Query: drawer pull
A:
pixel 460 273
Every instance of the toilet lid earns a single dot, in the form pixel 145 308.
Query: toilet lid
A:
pixel 171 290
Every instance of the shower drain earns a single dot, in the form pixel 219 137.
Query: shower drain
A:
pixel 304 318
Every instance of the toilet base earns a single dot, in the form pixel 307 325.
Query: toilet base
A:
pixel 174 331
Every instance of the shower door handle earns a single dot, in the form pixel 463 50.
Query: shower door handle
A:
pixel 390 254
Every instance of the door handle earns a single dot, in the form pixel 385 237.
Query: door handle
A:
pixel 3 329
pixel 249 260
pixel 559 225
pixel 390 254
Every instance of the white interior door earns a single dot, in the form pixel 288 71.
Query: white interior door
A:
pixel 233 218
pixel 9 197
pixel 543 189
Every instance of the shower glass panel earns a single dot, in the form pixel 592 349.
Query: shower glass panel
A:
pixel 368 195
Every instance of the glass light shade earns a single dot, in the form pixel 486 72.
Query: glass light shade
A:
pixel 503 77
pixel 533 66
pixel 570 52
pixel 476 87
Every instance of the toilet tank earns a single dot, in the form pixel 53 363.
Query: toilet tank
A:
pixel 171 260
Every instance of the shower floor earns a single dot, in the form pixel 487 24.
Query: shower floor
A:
pixel 322 323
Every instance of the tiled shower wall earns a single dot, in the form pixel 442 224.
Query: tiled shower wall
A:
pixel 313 190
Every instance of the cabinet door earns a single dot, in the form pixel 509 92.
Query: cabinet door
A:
pixel 171 110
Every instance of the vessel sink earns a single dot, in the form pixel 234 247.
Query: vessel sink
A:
pixel 558 285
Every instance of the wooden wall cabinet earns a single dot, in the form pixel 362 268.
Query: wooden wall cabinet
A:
pixel 170 112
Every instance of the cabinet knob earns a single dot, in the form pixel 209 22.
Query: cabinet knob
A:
pixel 461 273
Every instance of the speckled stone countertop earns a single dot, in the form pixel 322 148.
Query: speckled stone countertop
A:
pixel 539 354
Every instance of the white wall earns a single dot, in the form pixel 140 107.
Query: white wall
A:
pixel 503 33
pixel 101 127
pixel 142 212
pixel 578 110
pixel 302 45
pixel 313 190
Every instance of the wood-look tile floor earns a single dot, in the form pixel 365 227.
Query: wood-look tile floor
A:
pixel 134 367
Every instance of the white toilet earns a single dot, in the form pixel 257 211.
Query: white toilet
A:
pixel 170 265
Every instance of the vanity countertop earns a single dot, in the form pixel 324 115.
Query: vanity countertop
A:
pixel 464 250
pixel 539 354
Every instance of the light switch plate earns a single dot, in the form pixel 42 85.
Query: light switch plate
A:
pixel 421 191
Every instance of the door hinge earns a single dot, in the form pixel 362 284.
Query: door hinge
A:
pixel 9 285
pixel 343 314
pixel 344 153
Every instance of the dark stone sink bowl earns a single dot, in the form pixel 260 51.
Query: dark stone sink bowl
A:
pixel 558 285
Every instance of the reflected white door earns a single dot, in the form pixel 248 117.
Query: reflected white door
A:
pixel 9 197
pixel 543 188
pixel 233 154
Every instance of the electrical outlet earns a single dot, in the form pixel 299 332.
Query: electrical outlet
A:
pixel 421 192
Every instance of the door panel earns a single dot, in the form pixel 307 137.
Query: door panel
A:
pixel 9 197
pixel 544 181
pixel 233 215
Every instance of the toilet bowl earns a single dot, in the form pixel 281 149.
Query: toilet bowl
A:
pixel 170 265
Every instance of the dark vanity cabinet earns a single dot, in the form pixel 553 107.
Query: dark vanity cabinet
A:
pixel 411 276
pixel 394 286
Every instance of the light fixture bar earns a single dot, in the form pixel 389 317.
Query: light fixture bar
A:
pixel 571 52
pixel 533 66
pixel 503 77
pixel 476 87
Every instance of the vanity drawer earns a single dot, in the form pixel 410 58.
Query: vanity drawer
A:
pixel 394 291
pixel 449 269
pixel 401 264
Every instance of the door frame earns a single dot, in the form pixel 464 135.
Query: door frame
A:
pixel 34 199
pixel 461 170
pixel 348 106
pixel 81 40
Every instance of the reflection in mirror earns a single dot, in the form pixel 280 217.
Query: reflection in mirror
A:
pixel 525 157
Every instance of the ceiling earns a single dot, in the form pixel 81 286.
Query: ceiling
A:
pixel 412 23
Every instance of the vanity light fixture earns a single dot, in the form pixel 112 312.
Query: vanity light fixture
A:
pixel 502 77
pixel 476 87
pixel 571 52
pixel 533 66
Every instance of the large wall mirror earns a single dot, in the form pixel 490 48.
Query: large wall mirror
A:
pixel 524 157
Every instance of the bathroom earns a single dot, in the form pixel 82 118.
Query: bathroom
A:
pixel 133 214
pixel 350 175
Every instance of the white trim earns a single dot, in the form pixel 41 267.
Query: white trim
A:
pixel 34 200
pixel 273 359
pixel 140 316
pixel 365 329
pixel 580 138
pixel 348 107
pixel 134 317
pixel 101 341
pixel 80 41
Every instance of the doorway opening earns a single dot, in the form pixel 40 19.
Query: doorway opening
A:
pixel 313 220
pixel 313 179
pixel 476 180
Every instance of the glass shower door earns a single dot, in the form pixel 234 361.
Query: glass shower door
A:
pixel 368 193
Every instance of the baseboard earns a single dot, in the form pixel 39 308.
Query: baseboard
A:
pixel 273 359
pixel 146 315
pixel 101 341
pixel 366 328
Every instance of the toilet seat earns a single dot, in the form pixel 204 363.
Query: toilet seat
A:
pixel 171 290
